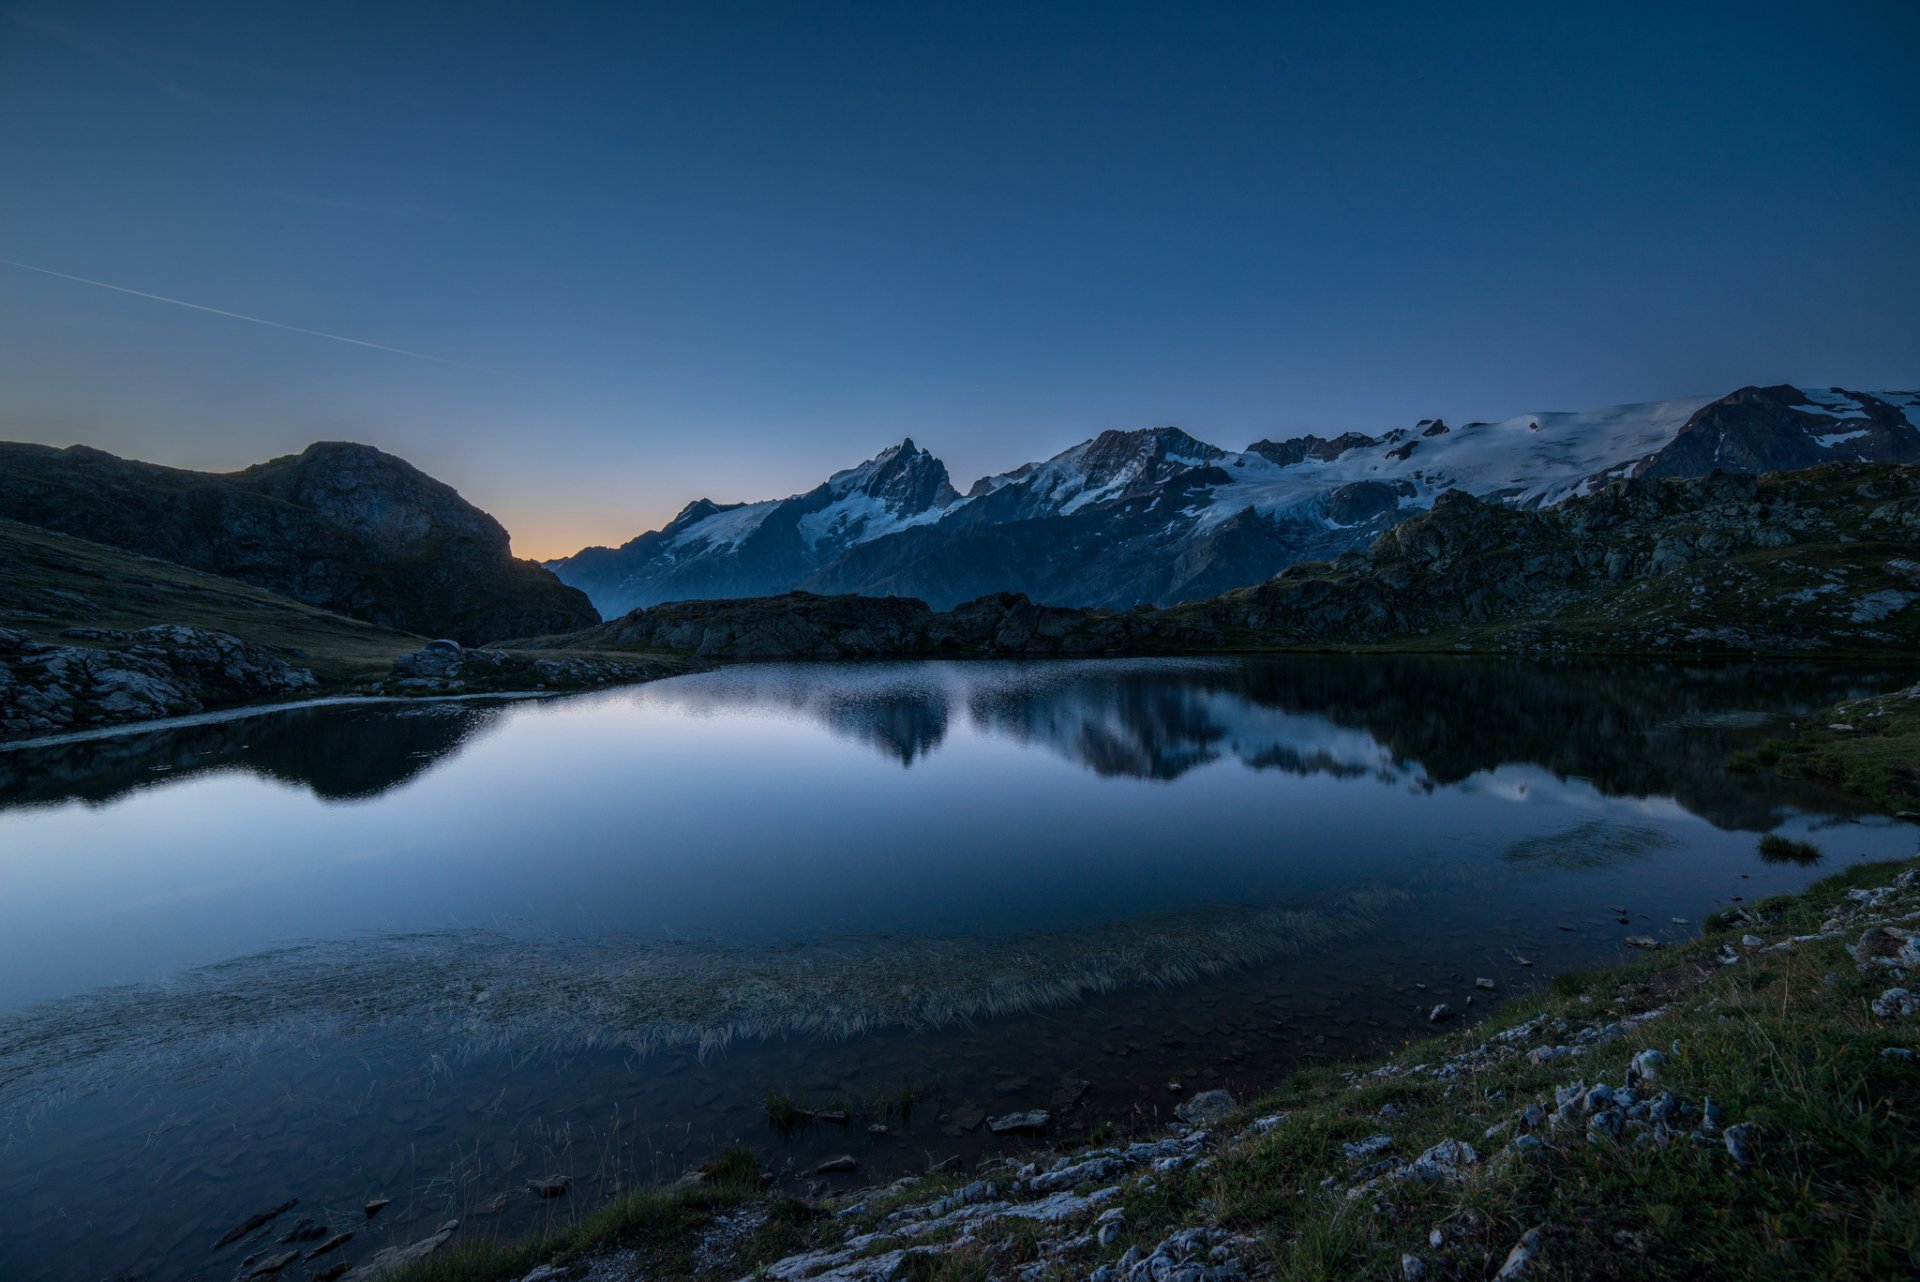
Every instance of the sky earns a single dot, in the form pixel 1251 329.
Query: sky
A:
pixel 587 263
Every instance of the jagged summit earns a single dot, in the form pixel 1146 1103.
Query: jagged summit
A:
pixel 1156 515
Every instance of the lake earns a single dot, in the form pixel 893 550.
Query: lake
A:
pixel 429 952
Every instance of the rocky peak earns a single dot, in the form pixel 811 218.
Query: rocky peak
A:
pixel 1147 456
pixel 1299 449
pixel 1763 429
pixel 908 479
pixel 698 510
pixel 378 497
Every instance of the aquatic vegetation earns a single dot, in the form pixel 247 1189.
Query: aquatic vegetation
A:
pixel 1775 849
pixel 784 1113
pixel 463 992
pixel 1596 843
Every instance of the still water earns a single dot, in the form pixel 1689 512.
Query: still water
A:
pixel 431 952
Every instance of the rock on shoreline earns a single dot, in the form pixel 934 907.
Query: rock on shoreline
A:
pixel 162 671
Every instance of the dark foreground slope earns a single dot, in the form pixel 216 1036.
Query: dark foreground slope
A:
pixel 340 526
pixel 1819 562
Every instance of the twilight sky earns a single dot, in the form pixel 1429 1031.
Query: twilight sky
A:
pixel 601 260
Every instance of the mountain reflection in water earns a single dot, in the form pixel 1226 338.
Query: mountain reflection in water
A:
pixel 1629 729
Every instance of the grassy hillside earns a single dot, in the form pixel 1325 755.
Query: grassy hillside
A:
pixel 50 582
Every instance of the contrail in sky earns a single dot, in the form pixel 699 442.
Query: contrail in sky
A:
pixel 257 320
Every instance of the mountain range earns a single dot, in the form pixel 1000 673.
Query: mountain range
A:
pixel 1157 517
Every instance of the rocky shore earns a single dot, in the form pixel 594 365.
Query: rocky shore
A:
pixel 113 677
pixel 1743 1105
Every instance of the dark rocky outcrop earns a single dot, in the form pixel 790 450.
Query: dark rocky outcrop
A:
pixel 1770 429
pixel 443 667
pixel 341 526
pixel 803 625
pixel 156 672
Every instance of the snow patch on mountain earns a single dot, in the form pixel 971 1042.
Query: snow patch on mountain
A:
pixel 1531 460
pixel 726 529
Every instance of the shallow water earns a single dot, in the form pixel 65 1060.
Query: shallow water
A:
pixel 430 952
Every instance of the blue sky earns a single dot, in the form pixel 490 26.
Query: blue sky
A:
pixel 665 251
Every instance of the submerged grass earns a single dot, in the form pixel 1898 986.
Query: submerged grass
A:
pixel 476 991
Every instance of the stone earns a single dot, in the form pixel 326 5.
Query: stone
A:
pixel 1647 942
pixel 1205 1108
pixel 969 1117
pixel 1034 1120
pixel 331 1245
pixel 1645 1067
pixel 255 1221
pixel 1521 1256
pixel 1440 1014
pixel 1413 1268
pixel 1484 983
pixel 376 1206
pixel 305 1230
pixel 395 1258
pixel 1741 1140
pixel 1445 1162
pixel 845 1162
pixel 1896 1003
pixel 272 1264
pixel 1367 1148
pixel 551 1186
pixel 1068 1093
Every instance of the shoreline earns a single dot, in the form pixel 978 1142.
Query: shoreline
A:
pixel 241 712
pixel 1724 1073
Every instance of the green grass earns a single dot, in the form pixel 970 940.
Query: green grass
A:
pixel 50 582
pixel 1775 849
pixel 664 1225
pixel 1870 747
pixel 784 1113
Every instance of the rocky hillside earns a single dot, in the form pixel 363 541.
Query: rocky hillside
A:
pixel 340 526
pixel 1818 562
pixel 1157 517
pixel 1813 562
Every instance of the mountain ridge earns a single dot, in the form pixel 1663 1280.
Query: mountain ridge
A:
pixel 1157 516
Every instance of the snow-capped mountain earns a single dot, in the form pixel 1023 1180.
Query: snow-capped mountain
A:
pixel 1155 516
pixel 752 549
